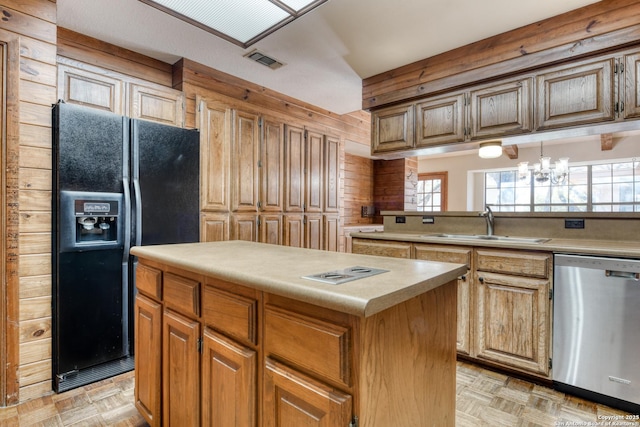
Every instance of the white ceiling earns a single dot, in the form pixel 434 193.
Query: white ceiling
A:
pixel 328 51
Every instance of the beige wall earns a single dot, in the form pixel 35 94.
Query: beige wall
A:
pixel 465 170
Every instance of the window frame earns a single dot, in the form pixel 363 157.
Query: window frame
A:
pixel 443 176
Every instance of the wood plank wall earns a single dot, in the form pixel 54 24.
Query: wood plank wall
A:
pixel 395 185
pixel 358 188
pixel 572 34
pixel 35 23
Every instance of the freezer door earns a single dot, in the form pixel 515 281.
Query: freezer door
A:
pixel 90 149
pixel 166 182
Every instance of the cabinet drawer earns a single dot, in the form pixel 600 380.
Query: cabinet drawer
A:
pixel 443 254
pixel 381 248
pixel 149 281
pixel 309 343
pixel 518 263
pixel 231 314
pixel 182 294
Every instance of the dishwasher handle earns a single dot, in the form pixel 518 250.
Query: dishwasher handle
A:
pixel 622 274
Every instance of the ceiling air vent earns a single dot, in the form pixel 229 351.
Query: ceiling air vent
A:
pixel 263 59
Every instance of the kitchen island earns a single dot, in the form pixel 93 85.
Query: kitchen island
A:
pixel 232 333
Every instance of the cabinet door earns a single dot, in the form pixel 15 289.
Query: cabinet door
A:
pixel 331 233
pixel 271 229
pixel 215 131
pixel 180 371
pixel 148 350
pixel 314 162
pixel 440 121
pixel 82 87
pixel 313 231
pixel 576 95
pixel 512 321
pixel 458 255
pixel 631 107
pixel 271 165
pixel 244 162
pixel 244 227
pixel 332 154
pixel 214 227
pixel 294 149
pixel 158 103
pixel 502 109
pixel 293 399
pixel 293 230
pixel 392 129
pixel 229 382
pixel 381 248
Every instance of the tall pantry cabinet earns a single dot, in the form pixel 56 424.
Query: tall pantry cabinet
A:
pixel 265 179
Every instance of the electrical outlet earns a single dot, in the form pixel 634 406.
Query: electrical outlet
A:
pixel 401 219
pixel 574 223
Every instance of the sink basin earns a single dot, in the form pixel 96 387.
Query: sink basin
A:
pixel 487 237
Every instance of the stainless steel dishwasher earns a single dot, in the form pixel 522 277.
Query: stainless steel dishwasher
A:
pixel 596 329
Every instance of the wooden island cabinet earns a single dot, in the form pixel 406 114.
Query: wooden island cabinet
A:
pixel 224 339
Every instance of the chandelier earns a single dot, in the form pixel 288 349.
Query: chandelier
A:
pixel 543 171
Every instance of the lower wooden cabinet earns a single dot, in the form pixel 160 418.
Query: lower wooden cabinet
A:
pixel 229 382
pixel 294 399
pixel 504 301
pixel 180 370
pixel 513 315
pixel 148 361
pixel 458 255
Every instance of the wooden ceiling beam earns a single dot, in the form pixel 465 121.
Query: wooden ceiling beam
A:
pixel 606 141
pixel 511 151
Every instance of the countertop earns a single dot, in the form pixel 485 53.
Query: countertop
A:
pixel 279 270
pixel 625 249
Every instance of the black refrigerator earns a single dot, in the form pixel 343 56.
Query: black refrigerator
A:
pixel 117 183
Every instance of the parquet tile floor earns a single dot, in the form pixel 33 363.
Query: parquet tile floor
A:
pixel 484 398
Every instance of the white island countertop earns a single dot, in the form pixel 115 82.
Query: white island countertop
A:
pixel 279 270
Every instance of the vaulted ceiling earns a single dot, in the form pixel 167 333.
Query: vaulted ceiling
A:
pixel 326 52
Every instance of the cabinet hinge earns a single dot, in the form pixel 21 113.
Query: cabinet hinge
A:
pixel 258 219
pixel 550 293
pixel 550 364
pixel 304 207
pixel 306 134
pixel 304 220
pixel 260 122
pixel 259 163
pixel 354 422
pixel 259 205
pixel 199 345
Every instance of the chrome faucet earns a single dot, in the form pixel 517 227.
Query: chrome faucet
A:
pixel 488 214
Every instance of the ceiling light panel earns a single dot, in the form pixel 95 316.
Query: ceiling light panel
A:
pixel 241 22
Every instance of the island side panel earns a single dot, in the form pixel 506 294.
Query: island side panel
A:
pixel 408 362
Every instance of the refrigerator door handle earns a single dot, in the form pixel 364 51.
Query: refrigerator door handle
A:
pixel 138 198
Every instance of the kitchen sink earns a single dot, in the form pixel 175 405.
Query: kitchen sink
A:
pixel 512 239
pixel 337 277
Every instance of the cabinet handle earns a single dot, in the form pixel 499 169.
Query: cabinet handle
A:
pixel 481 279
pixel 463 277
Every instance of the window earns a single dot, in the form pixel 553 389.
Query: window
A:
pixel 431 191
pixel 609 187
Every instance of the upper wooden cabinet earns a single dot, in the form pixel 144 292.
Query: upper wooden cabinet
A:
pixel 392 129
pixel 215 156
pixel 332 175
pixel 502 109
pixel 294 148
pixel 440 120
pixel 576 95
pixel 488 111
pixel 314 172
pixel 629 107
pixel 604 88
pixel 271 165
pixel 94 87
pixel 245 156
